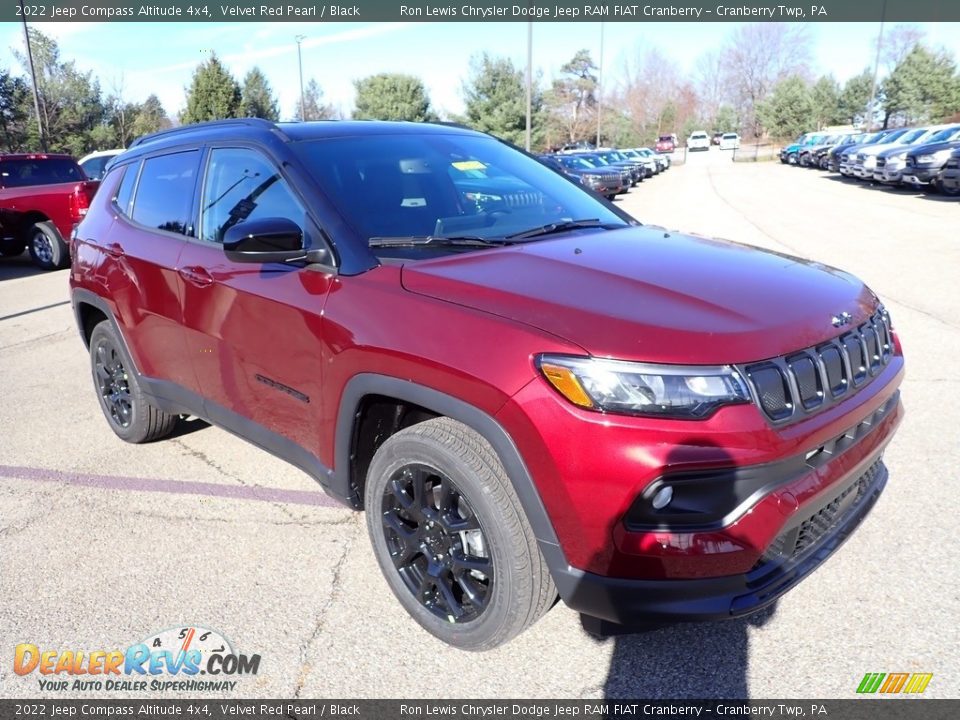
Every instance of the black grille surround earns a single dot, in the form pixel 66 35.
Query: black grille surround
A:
pixel 795 386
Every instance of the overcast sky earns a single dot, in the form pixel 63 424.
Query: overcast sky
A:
pixel 160 57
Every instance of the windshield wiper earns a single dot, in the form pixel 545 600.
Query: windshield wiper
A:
pixel 434 241
pixel 563 226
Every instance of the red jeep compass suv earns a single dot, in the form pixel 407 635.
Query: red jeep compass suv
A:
pixel 528 392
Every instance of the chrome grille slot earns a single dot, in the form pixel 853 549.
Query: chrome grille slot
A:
pixel 789 388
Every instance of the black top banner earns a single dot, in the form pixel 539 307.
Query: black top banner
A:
pixel 483 10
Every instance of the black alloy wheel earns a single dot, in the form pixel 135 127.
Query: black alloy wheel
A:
pixel 436 543
pixel 113 383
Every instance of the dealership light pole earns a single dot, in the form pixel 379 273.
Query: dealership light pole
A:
pixel 599 85
pixel 303 107
pixel 529 80
pixel 33 78
pixel 876 70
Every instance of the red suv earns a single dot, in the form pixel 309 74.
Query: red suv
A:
pixel 529 393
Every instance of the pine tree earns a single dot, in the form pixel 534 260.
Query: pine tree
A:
pixel 213 94
pixel 257 97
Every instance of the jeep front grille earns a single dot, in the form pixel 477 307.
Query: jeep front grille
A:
pixel 793 386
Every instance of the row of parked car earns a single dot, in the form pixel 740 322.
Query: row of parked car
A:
pixel 607 171
pixel 921 157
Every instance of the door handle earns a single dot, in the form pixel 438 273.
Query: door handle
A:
pixel 196 275
pixel 113 250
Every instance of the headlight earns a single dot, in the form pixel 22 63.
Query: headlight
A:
pixel 676 391
pixel 935 157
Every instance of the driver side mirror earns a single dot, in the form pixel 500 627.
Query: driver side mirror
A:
pixel 269 240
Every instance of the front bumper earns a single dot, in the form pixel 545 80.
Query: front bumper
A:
pixel 950 179
pixel 862 172
pixel 921 176
pixel 803 545
pixel 888 175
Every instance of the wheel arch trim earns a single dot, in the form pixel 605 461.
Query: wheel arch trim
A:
pixel 365 384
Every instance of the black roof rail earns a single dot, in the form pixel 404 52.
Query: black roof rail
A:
pixel 228 122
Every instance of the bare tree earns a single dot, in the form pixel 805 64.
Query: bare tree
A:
pixel 650 88
pixel 712 84
pixel 759 55
pixel 897 44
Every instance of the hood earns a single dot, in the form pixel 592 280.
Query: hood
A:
pixel 894 150
pixel 877 149
pixel 934 147
pixel 644 294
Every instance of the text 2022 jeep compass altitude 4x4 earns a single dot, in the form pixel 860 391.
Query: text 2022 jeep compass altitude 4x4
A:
pixel 529 393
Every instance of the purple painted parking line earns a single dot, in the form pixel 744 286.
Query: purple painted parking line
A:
pixel 182 487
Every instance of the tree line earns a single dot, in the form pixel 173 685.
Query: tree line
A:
pixel 759 84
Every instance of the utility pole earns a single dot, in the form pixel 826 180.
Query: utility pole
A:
pixel 303 107
pixel 876 70
pixel 600 85
pixel 529 80
pixel 33 77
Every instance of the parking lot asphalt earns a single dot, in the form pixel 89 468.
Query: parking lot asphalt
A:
pixel 103 544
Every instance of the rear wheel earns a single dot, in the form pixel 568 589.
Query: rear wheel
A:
pixel 451 538
pixel 47 248
pixel 130 415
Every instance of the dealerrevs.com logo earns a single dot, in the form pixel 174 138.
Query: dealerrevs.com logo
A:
pixel 188 659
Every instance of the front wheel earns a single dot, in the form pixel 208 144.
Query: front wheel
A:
pixel 47 249
pixel 451 537
pixel 948 191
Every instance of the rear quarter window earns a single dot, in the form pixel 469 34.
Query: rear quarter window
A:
pixel 124 194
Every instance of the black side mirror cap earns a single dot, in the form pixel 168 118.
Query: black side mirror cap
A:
pixel 270 240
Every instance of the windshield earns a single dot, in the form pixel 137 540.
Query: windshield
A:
pixel 434 185
pixel 910 137
pixel 730 136
pixel 574 162
pixel 944 135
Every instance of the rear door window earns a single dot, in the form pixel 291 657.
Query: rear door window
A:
pixel 165 191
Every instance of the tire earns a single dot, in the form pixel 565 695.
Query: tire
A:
pixel 130 415
pixel 949 192
pixel 792 159
pixel 504 585
pixel 611 197
pixel 805 160
pixel 47 249
pixel 12 248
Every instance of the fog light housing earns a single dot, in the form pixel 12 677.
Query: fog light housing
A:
pixel 662 498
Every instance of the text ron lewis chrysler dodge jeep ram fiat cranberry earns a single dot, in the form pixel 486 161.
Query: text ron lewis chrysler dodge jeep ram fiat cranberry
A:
pixel 529 393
